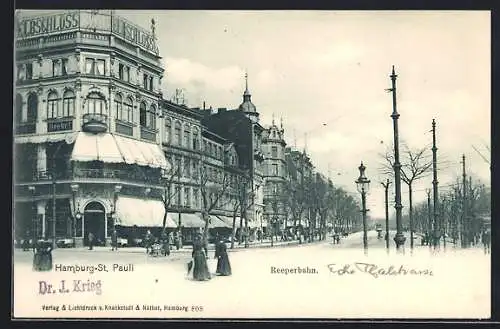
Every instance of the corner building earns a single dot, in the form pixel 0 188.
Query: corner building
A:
pixel 87 153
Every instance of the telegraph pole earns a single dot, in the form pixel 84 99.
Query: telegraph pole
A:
pixel 386 187
pixel 399 238
pixel 429 217
pixel 464 204
pixel 435 185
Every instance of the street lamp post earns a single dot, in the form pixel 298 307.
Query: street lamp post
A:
pixel 117 190
pixel 74 190
pixel 54 195
pixel 34 216
pixel 386 187
pixel 363 185
pixel 399 238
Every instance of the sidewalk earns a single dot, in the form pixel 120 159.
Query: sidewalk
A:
pixel 189 248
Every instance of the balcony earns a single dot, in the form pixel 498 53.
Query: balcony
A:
pixel 117 174
pixel 91 174
pixel 24 128
pixel 95 123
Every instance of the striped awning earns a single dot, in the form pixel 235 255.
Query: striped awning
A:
pixel 189 220
pixel 229 221
pixel 111 148
pixel 142 212
pixel 216 222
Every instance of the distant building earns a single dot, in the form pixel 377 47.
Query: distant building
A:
pixel 241 126
pixel 275 174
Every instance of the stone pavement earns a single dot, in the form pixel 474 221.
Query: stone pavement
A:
pixel 189 248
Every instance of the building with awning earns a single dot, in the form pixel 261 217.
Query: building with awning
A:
pixel 111 148
pixel 229 221
pixel 142 213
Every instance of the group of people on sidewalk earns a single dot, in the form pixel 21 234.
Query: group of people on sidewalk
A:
pixel 199 265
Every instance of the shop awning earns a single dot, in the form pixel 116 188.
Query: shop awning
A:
pixel 117 149
pixel 229 221
pixel 189 220
pixel 141 212
pixel 48 138
pixel 215 222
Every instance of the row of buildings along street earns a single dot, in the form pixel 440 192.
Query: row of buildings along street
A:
pixel 98 148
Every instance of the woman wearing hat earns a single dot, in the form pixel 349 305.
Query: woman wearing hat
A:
pixel 200 266
pixel 223 265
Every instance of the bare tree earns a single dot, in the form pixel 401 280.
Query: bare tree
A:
pixel 213 185
pixel 415 164
pixel 241 201
pixel 169 178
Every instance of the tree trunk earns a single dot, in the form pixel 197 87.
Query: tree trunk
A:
pixel 206 218
pixel 234 229
pixel 410 191
pixel 164 220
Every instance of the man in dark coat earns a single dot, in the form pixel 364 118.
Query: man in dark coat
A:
pixel 114 240
pixel 42 259
pixel 486 239
pixel 200 266
pixel 223 265
pixel 91 241
pixel 165 241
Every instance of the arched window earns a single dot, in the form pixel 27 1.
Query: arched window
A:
pixel 52 105
pixel 128 107
pixel 187 135
pixel 168 130
pixel 177 133
pixel 32 107
pixel 151 117
pixel 195 138
pixel 19 108
pixel 118 107
pixel 142 115
pixel 95 104
pixel 68 109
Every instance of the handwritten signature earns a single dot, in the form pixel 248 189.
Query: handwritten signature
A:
pixel 376 270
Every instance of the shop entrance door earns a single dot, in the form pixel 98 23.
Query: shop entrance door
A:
pixel 94 221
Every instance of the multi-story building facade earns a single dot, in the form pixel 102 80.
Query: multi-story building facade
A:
pixel 299 170
pixel 91 130
pixel 275 175
pixel 97 147
pixel 241 126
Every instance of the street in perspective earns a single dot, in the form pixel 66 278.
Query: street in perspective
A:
pixel 202 164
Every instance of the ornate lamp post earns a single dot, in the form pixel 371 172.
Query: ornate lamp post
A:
pixel 399 238
pixel 31 188
pixel 363 185
pixel 74 190
pixel 54 182
pixel 117 190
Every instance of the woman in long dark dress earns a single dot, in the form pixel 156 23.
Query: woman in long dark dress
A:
pixel 223 265
pixel 42 259
pixel 200 269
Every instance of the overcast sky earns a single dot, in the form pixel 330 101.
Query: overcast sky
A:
pixel 323 67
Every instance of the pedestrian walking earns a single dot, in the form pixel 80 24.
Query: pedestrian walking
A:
pixel 114 240
pixel 26 241
pixel 223 265
pixel 199 261
pixel 91 240
pixel 486 239
pixel 148 241
pixel 42 258
pixel 165 240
